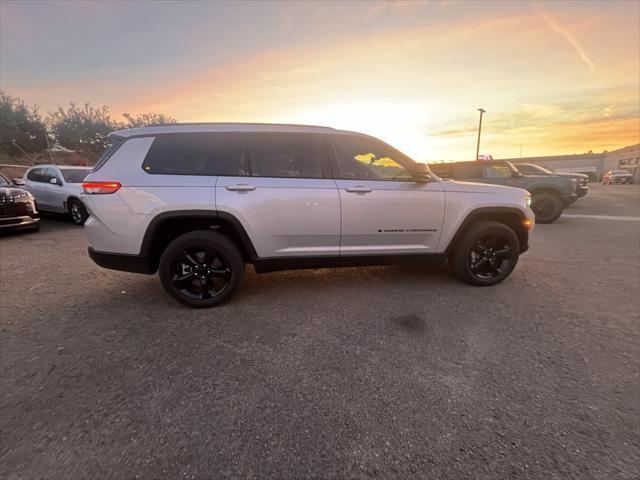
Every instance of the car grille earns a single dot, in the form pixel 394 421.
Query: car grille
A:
pixel 13 210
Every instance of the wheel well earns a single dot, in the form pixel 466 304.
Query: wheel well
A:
pixel 550 191
pixel 509 217
pixel 165 230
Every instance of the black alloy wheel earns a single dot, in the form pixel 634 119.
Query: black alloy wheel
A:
pixel 201 268
pixel 200 273
pixel 486 254
pixel 490 256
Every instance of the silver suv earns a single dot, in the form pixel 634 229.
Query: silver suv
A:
pixel 196 202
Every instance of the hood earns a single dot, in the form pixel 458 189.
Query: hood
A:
pixel 581 176
pixel 11 192
pixel 473 187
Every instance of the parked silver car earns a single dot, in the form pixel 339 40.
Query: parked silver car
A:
pixel 57 188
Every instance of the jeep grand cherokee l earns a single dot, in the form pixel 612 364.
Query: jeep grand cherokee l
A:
pixel 197 202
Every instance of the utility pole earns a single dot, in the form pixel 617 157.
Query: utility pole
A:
pixel 481 110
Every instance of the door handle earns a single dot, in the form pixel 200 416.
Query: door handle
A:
pixel 241 187
pixel 358 189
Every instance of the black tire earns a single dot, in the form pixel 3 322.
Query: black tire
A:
pixel 486 253
pixel 77 211
pixel 201 269
pixel 547 207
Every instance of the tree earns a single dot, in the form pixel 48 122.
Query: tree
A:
pixel 21 127
pixel 147 120
pixel 82 128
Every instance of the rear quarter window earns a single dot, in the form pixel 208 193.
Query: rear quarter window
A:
pixel 197 154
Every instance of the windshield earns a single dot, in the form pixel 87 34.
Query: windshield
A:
pixel 529 169
pixel 4 181
pixel 74 175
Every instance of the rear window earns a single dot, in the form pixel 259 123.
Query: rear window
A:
pixel 197 154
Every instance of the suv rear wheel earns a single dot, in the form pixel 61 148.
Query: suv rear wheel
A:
pixel 486 254
pixel 201 269
pixel 547 207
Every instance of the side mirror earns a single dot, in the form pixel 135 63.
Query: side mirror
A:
pixel 421 173
pixel 516 174
pixel 18 182
pixel 54 181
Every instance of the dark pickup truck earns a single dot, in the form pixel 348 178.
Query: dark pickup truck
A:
pixel 550 194
pixel 582 180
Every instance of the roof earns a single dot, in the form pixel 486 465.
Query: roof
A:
pixel 224 127
pixel 63 167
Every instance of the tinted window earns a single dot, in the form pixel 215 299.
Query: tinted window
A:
pixel 50 173
pixel 287 155
pixel 497 171
pixel 74 176
pixel 4 181
pixel 197 154
pixel 38 175
pixel 467 171
pixel 364 158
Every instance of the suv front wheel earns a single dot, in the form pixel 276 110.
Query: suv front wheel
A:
pixel 201 269
pixel 486 254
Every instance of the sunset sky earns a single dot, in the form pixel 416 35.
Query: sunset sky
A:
pixel 554 77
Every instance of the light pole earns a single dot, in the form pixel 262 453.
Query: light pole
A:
pixel 481 110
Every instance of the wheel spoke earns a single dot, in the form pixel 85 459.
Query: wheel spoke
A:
pixel 478 264
pixel 184 277
pixel 191 259
pixel 219 272
pixel 503 252
pixel 494 270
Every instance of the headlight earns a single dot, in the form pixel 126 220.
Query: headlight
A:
pixel 527 200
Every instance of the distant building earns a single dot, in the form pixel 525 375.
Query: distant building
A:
pixel 593 164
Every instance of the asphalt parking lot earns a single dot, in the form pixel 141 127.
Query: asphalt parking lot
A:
pixel 384 372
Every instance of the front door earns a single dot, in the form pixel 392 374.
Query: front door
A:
pixel 383 210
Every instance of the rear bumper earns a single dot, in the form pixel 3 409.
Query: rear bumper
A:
pixel 121 262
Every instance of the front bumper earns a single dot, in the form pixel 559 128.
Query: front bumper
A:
pixel 570 198
pixel 19 223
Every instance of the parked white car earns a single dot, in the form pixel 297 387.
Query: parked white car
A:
pixel 196 202
pixel 57 188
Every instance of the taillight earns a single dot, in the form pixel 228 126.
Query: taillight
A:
pixel 100 188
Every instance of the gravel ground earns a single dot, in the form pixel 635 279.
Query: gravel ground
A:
pixel 390 372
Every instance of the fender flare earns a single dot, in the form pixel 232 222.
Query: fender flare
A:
pixel 147 240
pixel 475 213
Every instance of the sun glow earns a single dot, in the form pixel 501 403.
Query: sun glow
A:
pixel 397 124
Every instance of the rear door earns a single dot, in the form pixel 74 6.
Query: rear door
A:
pixel 285 198
pixel 383 210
